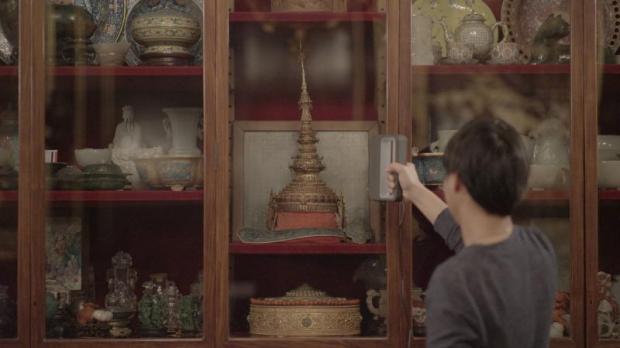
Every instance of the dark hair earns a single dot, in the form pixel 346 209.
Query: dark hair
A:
pixel 489 157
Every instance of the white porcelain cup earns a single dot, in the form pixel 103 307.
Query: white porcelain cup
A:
pixel 505 53
pixel 460 53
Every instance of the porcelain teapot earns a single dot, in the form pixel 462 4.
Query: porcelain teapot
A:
pixel 472 31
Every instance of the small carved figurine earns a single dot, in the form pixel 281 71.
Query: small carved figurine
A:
pixel 189 314
pixel 561 315
pixel 608 308
pixel 127 144
pixel 152 310
pixel 546 48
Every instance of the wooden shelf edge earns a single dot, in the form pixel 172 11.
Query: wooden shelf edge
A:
pixel 239 248
pixel 554 342
pixel 469 69
pixel 125 196
pixel 611 69
pixel 314 342
pixel 136 71
pixel 609 194
pixel 113 196
pixel 8 70
pixel 296 17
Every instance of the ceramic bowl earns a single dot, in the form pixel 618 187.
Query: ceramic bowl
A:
pixel 86 157
pixel 460 53
pixel 608 147
pixel 108 183
pixel 609 174
pixel 174 172
pixel 111 53
pixel 547 176
pixel 106 169
pixel 505 53
pixel 430 168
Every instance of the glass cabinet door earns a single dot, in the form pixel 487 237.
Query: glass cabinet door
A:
pixel 602 174
pixel 307 248
pixel 123 233
pixel 9 173
pixel 475 58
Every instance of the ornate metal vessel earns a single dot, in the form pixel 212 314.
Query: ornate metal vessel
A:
pixel 168 35
pixel 305 312
pixel 307 192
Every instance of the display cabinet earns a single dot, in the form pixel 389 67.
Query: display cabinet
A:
pixel 601 137
pixel 14 261
pixel 117 169
pixel 489 60
pixel 211 190
pixel 302 252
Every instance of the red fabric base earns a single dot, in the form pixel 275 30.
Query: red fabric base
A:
pixel 291 221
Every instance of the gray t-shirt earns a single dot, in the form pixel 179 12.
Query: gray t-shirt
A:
pixel 495 296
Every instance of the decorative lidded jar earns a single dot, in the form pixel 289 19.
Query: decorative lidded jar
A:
pixel 167 35
pixel 473 31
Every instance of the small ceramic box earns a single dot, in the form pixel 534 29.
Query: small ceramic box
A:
pixel 430 168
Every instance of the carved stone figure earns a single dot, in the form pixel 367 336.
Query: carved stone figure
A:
pixel 546 48
pixel 127 144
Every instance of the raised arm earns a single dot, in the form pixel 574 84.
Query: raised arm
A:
pixel 431 206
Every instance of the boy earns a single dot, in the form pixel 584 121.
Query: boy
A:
pixel 498 290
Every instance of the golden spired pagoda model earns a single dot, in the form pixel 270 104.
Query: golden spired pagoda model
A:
pixel 306 199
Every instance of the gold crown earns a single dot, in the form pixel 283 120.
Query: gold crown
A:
pixel 307 192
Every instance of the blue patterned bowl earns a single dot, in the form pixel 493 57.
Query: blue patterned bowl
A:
pixel 174 172
pixel 430 168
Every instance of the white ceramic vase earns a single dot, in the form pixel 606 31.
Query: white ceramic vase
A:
pixel 181 127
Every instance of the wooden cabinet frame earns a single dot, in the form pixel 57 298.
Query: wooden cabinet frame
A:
pixel 32 73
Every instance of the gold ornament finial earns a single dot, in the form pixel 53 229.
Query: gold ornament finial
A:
pixel 307 192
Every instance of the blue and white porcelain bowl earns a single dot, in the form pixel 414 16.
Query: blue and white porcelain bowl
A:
pixel 174 172
pixel 430 168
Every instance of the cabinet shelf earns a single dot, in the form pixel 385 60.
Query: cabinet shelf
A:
pixel 10 70
pixel 114 196
pixel 144 71
pixel 609 194
pixel 296 17
pixel 612 69
pixel 307 248
pixel 470 69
